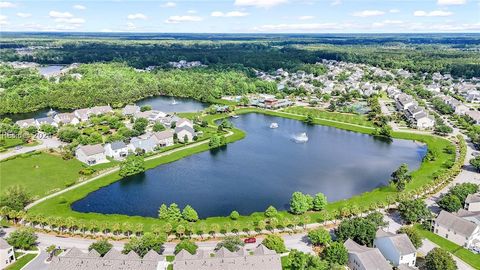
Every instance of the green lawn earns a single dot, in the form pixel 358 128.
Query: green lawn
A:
pixel 40 173
pixel 334 116
pixel 20 263
pixel 462 253
pixel 58 207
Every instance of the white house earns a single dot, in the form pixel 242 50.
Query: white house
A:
pixel 145 142
pixel 424 121
pixel 26 123
pixel 472 202
pixel 475 115
pixel 97 110
pixel 164 138
pixel 403 101
pixel 182 122
pixel 91 154
pixel 7 255
pixel 459 230
pixel 151 115
pixel 116 150
pixel 183 132
pixel 473 96
pixel 396 248
pixel 82 114
pixel 66 118
pixel 365 258
pixel 45 121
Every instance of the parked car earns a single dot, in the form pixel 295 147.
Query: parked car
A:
pixel 250 240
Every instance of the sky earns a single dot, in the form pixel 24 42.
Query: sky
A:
pixel 242 16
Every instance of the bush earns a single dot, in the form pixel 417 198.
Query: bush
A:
pixel 297 260
pixel 274 242
pixel 15 197
pixel 101 246
pixel 336 253
pixel 187 245
pixel 414 211
pixel 271 211
pixel 132 165
pixel 232 243
pixel 439 259
pixel 234 215
pixel 141 245
pixel 24 238
pixel 319 237
pixel 450 203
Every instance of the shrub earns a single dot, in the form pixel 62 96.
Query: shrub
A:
pixel 319 237
pixel 187 245
pixel 24 238
pixel 234 215
pixel 274 242
pixel 101 246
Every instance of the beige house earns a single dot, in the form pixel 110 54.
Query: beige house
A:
pixel 91 154
pixel 457 229
pixel 164 138
pixel 365 258
pixel 7 254
pixel 472 202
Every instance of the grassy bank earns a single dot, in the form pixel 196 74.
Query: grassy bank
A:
pixel 60 206
pixel 462 253
pixel 21 262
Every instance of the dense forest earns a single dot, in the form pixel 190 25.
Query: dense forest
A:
pixel 265 53
pixel 118 84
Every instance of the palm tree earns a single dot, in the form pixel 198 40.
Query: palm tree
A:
pixel 116 228
pixel 226 227
pixel 127 228
pixel 93 227
pixel 82 225
pixel 355 210
pixel 305 221
pixel 235 227
pixel 296 221
pixel 202 227
pixel 69 223
pixel 261 225
pixel 273 222
pixel 138 229
pixel 214 228
pixel 167 228
pixel 4 212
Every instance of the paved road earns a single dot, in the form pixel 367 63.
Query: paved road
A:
pixel 44 144
pixel 38 263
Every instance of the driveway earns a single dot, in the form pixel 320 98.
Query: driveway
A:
pixel 38 263
pixel 427 245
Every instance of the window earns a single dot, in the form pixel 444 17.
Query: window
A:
pixel 446 235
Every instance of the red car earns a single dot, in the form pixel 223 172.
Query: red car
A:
pixel 250 240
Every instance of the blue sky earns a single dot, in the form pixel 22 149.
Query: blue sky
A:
pixel 243 16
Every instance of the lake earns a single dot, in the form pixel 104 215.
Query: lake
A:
pixel 263 169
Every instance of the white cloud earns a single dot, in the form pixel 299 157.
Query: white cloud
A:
pixel 451 2
pixel 259 3
pixel 368 13
pixel 191 11
pixel 70 20
pixel 386 22
pixel 23 15
pixel 7 5
pixel 434 13
pixel 394 10
pixel 58 14
pixel 131 26
pixel 306 17
pixel 299 27
pixel 137 16
pixel 79 7
pixel 229 14
pixel 336 2
pixel 169 5
pixel 185 18
pixel 3 20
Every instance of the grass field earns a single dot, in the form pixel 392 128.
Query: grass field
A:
pixel 20 263
pixel 40 173
pixel 462 253
pixel 334 116
pixel 58 207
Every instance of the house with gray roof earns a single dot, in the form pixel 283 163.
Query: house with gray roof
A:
pixel 262 258
pixel 396 248
pixel 45 121
pixel 183 132
pixel 164 138
pixel 146 143
pixel 130 110
pixel 7 254
pixel 152 115
pixel 74 259
pixel 457 229
pixel 91 154
pixel 365 258
pixel 472 202
pixel 97 110
pixel 117 150
pixel 26 123
pixel 82 114
pixel 66 118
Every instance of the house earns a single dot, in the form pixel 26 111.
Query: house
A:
pixel 182 122
pixel 168 120
pixel 472 202
pixel 116 150
pixel 26 123
pixel 82 114
pixel 97 110
pixel 261 258
pixel 473 96
pixel 130 110
pixel 66 118
pixel 45 121
pixel 423 121
pixel 459 230
pixel 475 115
pixel 270 101
pixel 365 258
pixel 403 101
pixel 164 138
pixel 183 132
pixel 145 142
pixel 91 154
pixel 151 115
pixel 74 259
pixel 396 248
pixel 7 254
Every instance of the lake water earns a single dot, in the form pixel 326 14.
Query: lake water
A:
pixel 263 169
pixel 50 70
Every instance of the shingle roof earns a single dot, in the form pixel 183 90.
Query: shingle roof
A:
pixel 163 134
pixel 401 242
pixel 370 258
pixel 91 150
pixel 457 224
pixel 118 145
pixel 4 244
pixel 472 198
pixel 187 128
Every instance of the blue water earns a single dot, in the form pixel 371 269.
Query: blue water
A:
pixel 263 169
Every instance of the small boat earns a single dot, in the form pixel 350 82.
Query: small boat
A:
pixel 174 102
pixel 302 138
pixel 274 125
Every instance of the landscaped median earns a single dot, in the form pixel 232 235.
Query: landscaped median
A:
pixel 422 179
pixel 462 253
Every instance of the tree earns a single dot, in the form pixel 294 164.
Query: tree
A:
pixel 450 203
pixel 336 253
pixel 443 130
pixel 274 242
pixel 414 211
pixel 68 134
pixel 439 259
pixel 187 245
pixel 145 108
pixel 319 237
pixel 299 203
pixel 234 215
pixel 48 129
pixel 189 214
pixel 141 245
pixel 319 202
pixel 23 238
pixel 140 125
pixel 173 213
pixel 132 165
pixel 158 127
pixel 463 190
pixel 232 243
pixel 163 211
pixel 310 120
pixel 101 246
pixel 185 138
pixel 297 260
pixel 400 177
pixel 475 162
pixel 413 234
pixel 15 197
pixel 360 230
pixel 271 211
